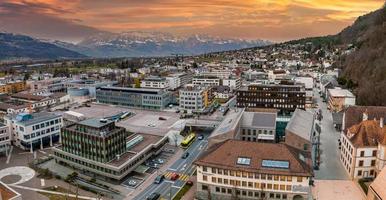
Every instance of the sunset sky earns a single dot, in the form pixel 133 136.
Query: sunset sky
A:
pixel 275 20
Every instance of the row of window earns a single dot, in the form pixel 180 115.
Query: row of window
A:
pixel 42 132
pixel 42 125
pixel 237 192
pixel 254 132
pixel 251 175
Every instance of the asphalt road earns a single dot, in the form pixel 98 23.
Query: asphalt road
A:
pixel 183 167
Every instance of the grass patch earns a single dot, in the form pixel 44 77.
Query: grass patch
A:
pixel 182 192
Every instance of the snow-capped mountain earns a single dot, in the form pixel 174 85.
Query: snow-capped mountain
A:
pixel 138 43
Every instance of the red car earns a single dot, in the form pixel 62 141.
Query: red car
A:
pixel 174 176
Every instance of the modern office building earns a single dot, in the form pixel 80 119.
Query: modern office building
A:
pixel 233 82
pixel 206 80
pixel 338 99
pixel 36 130
pixel 195 98
pixel 237 169
pixel 5 139
pixel 155 82
pixel 98 147
pixel 285 98
pixel 145 98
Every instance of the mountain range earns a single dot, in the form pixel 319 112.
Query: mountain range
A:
pixel 128 44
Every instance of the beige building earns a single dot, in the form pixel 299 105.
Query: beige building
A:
pixel 248 170
pixel 13 87
pixel 338 99
pixel 363 145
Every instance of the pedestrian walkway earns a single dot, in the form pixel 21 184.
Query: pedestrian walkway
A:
pixel 182 177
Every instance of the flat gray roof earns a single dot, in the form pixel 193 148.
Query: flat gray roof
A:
pixel 36 118
pixel 301 123
pixel 94 122
pixel 259 119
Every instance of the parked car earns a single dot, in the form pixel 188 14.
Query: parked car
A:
pixel 132 183
pixel 200 137
pixel 159 179
pixel 174 176
pixel 162 118
pixel 153 196
pixel 185 155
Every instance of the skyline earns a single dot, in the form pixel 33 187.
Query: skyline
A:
pixel 272 20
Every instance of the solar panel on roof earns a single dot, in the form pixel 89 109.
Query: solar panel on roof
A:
pixel 275 164
pixel 243 161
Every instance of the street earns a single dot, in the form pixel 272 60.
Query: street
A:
pixel 330 167
pixel 183 167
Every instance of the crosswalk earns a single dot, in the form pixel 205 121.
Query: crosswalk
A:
pixel 182 177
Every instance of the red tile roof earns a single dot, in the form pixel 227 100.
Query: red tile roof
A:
pixel 367 133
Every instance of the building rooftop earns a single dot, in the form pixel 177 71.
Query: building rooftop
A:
pixel 27 119
pixel 301 123
pixel 354 114
pixel 367 133
pixel 378 186
pixel 259 119
pixel 268 158
pixel 340 93
pixel 230 122
pixel 133 90
pixel 95 122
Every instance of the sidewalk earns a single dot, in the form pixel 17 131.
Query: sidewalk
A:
pixel 337 189
pixel 192 191
pixel 149 179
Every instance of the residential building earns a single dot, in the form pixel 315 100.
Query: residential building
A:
pixel 234 83
pixel 222 93
pixel 13 87
pixel 108 152
pixel 242 170
pixel 195 98
pixel 301 134
pixel 145 98
pixel 285 98
pixel 206 80
pixel 219 73
pixel 338 99
pixel 377 187
pixel 363 143
pixel 178 80
pixel 5 139
pixel 35 130
pixel 155 82
pixel 309 88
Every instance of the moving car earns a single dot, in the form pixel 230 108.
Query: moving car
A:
pixel 174 176
pixel 185 155
pixel 159 179
pixel 200 137
pixel 153 196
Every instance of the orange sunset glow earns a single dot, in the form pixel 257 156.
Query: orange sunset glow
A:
pixel 276 20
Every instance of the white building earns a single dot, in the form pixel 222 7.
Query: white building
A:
pixel 233 83
pixel 219 73
pixel 309 86
pixel 36 130
pixel 155 82
pixel 5 139
pixel 206 80
pixel 248 170
pixel 195 98
pixel 178 80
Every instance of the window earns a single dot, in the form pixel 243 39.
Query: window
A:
pixel 225 181
pixel 217 189
pixel 204 168
pixel 360 163
pixel 219 180
pixel 305 147
pixel 250 184
pixel 226 172
pixel 299 179
pixel 214 179
pixel 372 162
pixel 372 172
pixel 244 183
pixel 204 187
pixel 359 172
pixel 275 186
pixel 204 178
pixel 214 170
pixel 243 161
pixel 375 153
pixel 362 153
pixel 219 171
pixel 288 188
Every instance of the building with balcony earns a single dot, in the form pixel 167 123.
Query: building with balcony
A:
pixel 145 98
pixel 178 80
pixel 98 147
pixel 242 170
pixel 195 98
pixel 155 82
pixel 35 130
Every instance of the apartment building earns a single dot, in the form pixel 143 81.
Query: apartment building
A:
pixel 145 98
pixel 285 98
pixel 195 98
pixel 338 99
pixel 155 82
pixel 233 83
pixel 13 87
pixel 248 170
pixel 309 87
pixel 363 143
pixel 206 80
pixel 107 151
pixel 35 130
pixel 5 139
pixel 178 80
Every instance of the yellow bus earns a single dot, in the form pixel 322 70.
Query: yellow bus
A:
pixel 188 140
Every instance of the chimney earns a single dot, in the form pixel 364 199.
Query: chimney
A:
pixel 381 122
pixel 365 116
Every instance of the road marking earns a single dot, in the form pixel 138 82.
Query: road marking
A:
pixel 52 192
pixel 178 187
pixel 171 169
pixel 42 182
pixel 9 155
